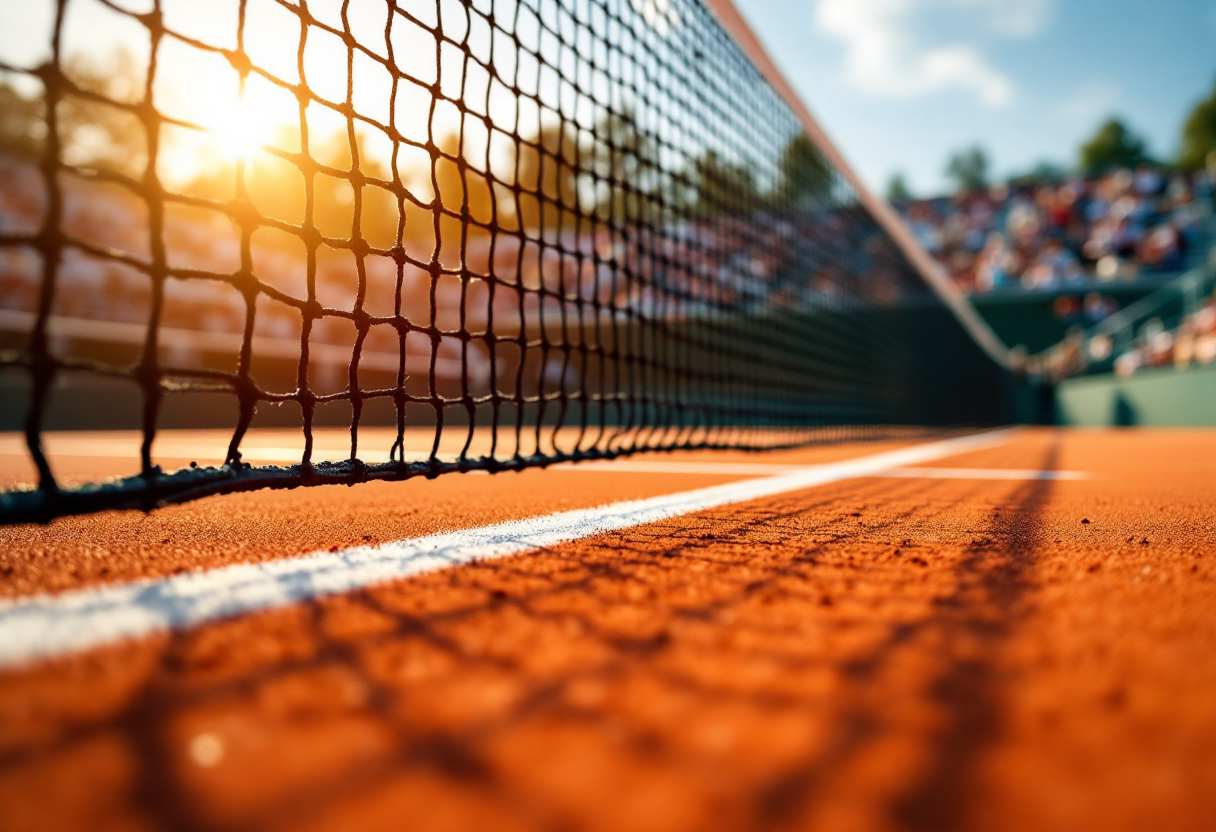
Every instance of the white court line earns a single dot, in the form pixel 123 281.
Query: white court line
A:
pixel 45 626
pixel 982 474
pixel 748 469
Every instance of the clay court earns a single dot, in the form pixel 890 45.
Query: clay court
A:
pixel 1017 636
pixel 518 416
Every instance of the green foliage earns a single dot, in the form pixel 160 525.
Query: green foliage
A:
pixel 897 189
pixel 334 198
pixel 806 176
pixel 1042 172
pixel 722 187
pixel 92 132
pixel 545 169
pixel 96 134
pixel 1199 135
pixel 969 169
pixel 1114 145
pixel 22 127
pixel 625 163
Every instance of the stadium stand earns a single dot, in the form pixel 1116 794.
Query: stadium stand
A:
pixel 1072 233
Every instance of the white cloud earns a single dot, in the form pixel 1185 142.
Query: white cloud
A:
pixel 1013 18
pixel 892 47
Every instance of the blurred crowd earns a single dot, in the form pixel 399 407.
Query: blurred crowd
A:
pixel 1193 342
pixel 1067 233
pixel 725 262
pixel 1150 344
pixel 698 267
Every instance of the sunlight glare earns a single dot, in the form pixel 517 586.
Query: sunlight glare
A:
pixel 245 128
pixel 236 127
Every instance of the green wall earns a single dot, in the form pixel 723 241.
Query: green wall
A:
pixel 1162 396
pixel 1028 318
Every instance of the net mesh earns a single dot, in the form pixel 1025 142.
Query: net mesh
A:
pixel 529 230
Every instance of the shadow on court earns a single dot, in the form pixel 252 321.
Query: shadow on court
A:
pixel 820 660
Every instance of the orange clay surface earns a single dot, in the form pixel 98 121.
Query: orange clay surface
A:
pixel 876 654
pixel 242 528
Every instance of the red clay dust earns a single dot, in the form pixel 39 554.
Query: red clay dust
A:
pixel 875 654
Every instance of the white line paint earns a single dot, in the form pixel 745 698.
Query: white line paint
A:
pixel 981 474
pixel 45 626
pixel 747 469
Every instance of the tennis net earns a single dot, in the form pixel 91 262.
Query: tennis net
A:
pixel 566 229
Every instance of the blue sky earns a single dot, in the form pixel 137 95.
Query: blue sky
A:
pixel 900 84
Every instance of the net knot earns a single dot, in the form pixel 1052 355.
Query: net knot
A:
pixel 245 388
pixel 311 236
pixel 48 73
pixel 153 19
pixel 313 310
pixel 239 61
pixel 244 214
pixel 307 165
pixel 246 283
pixel 148 375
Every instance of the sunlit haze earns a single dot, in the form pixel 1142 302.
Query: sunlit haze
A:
pixel 196 84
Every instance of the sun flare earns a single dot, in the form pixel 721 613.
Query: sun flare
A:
pixel 232 126
pixel 243 128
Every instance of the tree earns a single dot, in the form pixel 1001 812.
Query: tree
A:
pixel 462 186
pixel 334 197
pixel 897 189
pixel 1113 146
pixel 969 169
pixel 22 127
pixel 1199 135
pixel 723 188
pixel 625 163
pixel 92 134
pixel 806 175
pixel 1043 171
pixel 545 170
